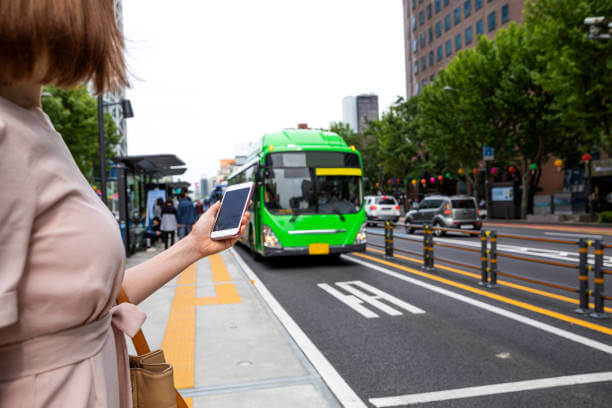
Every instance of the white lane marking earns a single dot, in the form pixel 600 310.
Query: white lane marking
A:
pixel 566 234
pixel 502 388
pixel 379 294
pixel 349 300
pixel 343 392
pixel 490 308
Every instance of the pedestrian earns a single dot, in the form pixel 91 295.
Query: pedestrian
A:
pixel 153 232
pixel 185 216
pixel 62 340
pixel 199 209
pixel 168 222
pixel 157 208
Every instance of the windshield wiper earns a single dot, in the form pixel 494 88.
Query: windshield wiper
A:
pixel 337 211
pixel 296 213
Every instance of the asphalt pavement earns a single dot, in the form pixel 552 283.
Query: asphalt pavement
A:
pixel 397 335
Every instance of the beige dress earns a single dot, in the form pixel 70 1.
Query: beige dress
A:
pixel 61 266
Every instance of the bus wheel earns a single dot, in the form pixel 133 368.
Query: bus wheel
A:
pixel 256 255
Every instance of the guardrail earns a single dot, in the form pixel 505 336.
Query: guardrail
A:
pixel 489 254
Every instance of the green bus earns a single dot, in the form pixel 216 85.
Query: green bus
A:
pixel 308 197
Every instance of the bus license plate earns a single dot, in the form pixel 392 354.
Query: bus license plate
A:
pixel 318 249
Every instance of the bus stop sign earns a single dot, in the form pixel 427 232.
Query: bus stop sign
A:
pixel 488 153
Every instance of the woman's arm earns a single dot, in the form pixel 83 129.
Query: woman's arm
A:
pixel 142 280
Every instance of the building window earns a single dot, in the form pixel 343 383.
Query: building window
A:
pixel 416 88
pixel 431 58
pixel 505 12
pixel 468 36
pixel 457 15
pixel 413 4
pixel 479 27
pixel 457 42
pixel 429 11
pixel 430 35
pixel 421 18
pixel 477 4
pixel 422 40
pixel 415 46
pixel 423 63
pixel 491 21
pixel 437 6
pixel 416 67
pixel 431 78
pixel 446 3
pixel 413 23
pixel 424 83
pixel 439 53
pixel 449 47
pixel 438 29
pixel 467 8
pixel 447 22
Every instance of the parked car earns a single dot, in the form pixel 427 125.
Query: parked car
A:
pixel 458 211
pixel 381 208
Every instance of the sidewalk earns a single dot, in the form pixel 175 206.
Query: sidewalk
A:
pixel 227 347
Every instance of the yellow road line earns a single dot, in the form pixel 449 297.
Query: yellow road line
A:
pixel 500 282
pixel 179 338
pixel 523 305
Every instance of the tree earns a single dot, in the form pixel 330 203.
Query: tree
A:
pixel 575 68
pixel 74 115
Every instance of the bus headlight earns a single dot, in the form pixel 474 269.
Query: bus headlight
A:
pixel 269 238
pixel 361 235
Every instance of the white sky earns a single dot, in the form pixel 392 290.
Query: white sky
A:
pixel 213 74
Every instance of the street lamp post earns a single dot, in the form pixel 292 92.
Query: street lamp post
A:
pixel 126 107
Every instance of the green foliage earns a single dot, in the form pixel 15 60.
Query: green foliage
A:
pixel 605 216
pixel 575 68
pixel 75 116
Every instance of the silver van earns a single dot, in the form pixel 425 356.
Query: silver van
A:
pixel 459 211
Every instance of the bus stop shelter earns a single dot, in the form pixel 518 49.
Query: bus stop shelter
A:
pixel 136 175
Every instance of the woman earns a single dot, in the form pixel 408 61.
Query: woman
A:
pixel 168 222
pixel 157 208
pixel 61 332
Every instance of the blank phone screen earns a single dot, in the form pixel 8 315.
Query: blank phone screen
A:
pixel 230 213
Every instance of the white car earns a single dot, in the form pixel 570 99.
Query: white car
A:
pixel 381 208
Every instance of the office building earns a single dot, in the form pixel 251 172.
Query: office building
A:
pixel 435 30
pixel 358 110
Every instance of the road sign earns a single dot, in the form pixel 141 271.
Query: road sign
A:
pixel 357 297
pixel 488 153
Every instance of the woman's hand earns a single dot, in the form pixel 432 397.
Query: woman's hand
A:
pixel 200 234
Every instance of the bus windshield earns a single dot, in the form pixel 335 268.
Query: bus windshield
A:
pixel 292 186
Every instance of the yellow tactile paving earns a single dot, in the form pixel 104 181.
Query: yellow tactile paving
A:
pixel 188 276
pixel 219 271
pixel 179 339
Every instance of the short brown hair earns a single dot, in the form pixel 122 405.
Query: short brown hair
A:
pixel 62 42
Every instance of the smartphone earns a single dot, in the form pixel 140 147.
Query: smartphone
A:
pixel 233 206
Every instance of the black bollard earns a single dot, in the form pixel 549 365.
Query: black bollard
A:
pixel 583 278
pixel 598 280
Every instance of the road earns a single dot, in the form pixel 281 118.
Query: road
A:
pixel 398 335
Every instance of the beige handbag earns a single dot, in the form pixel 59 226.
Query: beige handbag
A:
pixel 152 378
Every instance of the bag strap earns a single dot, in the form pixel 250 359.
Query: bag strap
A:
pixel 142 347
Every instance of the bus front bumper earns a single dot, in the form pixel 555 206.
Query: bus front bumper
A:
pixel 292 251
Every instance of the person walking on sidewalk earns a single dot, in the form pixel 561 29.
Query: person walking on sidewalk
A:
pixel 168 222
pixel 62 340
pixel 185 215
